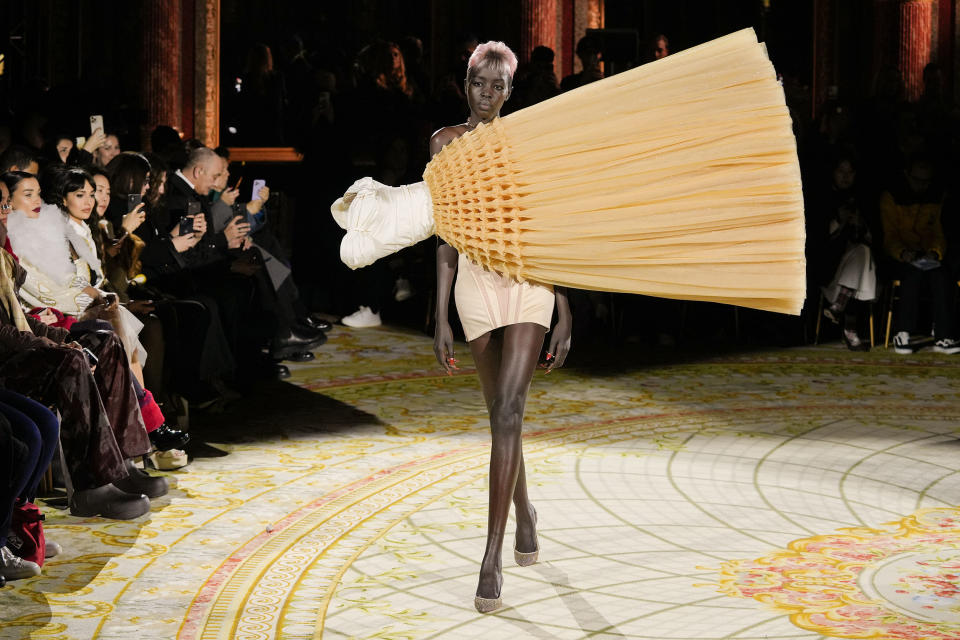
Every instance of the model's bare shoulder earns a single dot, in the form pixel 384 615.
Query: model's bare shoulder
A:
pixel 443 137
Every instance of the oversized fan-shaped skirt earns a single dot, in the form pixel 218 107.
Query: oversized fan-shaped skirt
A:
pixel 676 179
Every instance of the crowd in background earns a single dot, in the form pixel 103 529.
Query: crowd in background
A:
pixel 135 283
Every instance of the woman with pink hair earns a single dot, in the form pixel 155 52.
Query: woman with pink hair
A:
pixel 505 322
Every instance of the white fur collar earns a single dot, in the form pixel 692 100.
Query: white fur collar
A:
pixel 42 242
pixel 80 236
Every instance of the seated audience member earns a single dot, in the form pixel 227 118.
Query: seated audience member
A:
pixel 588 50
pixel 217 259
pixel 195 349
pixel 225 207
pixel 61 149
pixel 37 429
pixel 14 472
pixel 75 189
pixel 107 151
pixel 914 242
pixel 19 158
pixel 101 428
pixel 847 255
pixel 46 241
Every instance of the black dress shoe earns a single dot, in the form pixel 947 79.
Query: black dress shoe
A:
pixel 283 372
pixel 304 337
pixel 299 356
pixel 164 438
pixel 316 322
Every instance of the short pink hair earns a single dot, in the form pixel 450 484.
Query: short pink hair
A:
pixel 496 55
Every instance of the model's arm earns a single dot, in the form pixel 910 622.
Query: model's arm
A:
pixel 446 272
pixel 562 331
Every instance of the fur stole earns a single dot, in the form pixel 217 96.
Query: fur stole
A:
pixel 42 242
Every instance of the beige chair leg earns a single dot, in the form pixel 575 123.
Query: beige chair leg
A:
pixel 894 284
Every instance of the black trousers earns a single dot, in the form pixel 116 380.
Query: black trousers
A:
pixel 941 288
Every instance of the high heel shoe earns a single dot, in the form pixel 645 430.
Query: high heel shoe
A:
pixel 527 558
pixel 488 605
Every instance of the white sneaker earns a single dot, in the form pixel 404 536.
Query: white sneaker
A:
pixel 14 568
pixel 947 345
pixel 362 318
pixel 901 343
pixel 402 290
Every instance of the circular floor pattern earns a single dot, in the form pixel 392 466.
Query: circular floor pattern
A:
pixel 638 516
pixel 353 504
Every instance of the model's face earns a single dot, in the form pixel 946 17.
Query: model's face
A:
pixel 4 203
pixel 26 197
pixel 80 203
pixel 64 147
pixel 109 150
pixel 486 92
pixel 102 194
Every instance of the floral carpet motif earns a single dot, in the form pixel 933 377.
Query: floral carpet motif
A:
pixel 900 583
pixel 350 502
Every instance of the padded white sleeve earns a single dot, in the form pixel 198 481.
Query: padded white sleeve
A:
pixel 381 220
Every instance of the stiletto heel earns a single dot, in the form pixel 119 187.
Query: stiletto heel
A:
pixel 527 558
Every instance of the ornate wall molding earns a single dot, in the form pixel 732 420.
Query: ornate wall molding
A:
pixel 207 72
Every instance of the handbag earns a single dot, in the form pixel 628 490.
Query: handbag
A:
pixel 26 538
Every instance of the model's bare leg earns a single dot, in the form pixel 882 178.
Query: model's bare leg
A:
pixel 506 394
pixel 486 353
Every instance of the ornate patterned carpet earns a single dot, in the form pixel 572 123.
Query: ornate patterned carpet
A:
pixel 791 493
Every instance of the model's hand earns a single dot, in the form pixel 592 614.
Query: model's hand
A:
pixel 443 347
pixel 559 343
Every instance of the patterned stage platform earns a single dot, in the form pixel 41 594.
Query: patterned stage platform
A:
pixel 784 493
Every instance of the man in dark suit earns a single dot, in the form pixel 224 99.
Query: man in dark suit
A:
pixel 226 270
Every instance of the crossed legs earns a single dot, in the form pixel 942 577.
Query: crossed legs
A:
pixel 506 359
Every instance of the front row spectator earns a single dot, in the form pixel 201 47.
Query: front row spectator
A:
pixel 915 243
pixel 101 425
pixel 847 253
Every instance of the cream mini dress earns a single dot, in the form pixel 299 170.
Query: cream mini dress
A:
pixel 487 300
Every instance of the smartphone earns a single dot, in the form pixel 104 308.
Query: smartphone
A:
pixel 91 359
pixel 81 141
pixel 193 208
pixel 186 225
pixel 133 200
pixel 257 185
pixel 96 122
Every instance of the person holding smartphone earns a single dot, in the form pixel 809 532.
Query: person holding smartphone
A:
pixel 226 273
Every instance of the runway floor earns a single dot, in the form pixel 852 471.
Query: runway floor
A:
pixel 778 493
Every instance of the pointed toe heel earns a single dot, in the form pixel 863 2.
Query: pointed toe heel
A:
pixel 487 605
